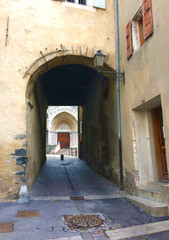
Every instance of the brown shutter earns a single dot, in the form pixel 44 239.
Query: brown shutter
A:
pixel 147 18
pixel 129 40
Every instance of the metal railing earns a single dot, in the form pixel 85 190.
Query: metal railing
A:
pixel 73 151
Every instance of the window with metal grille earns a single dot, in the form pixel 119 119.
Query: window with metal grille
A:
pixel 101 4
pixel 83 2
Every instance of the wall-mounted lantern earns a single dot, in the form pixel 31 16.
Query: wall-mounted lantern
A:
pixel 99 59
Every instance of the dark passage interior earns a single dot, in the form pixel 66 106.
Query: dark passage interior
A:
pixel 95 96
pixel 67 85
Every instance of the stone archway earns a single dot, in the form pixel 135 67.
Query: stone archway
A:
pixel 35 99
pixel 65 55
pixel 37 103
pixel 64 117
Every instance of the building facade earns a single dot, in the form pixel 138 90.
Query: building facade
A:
pixel 62 130
pixel 145 96
pixel 46 59
pixel 47 53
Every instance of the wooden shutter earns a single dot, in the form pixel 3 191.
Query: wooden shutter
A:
pixel 147 18
pixel 129 40
pixel 99 4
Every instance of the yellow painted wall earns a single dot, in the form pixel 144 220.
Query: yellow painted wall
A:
pixel 36 26
pixel 36 134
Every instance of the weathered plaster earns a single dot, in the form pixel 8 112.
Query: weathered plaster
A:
pixel 37 29
pixel 146 79
pixel 100 135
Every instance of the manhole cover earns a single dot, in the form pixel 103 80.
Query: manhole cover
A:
pixel 83 222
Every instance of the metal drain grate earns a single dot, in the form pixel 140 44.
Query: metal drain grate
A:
pixel 83 222
pixel 77 198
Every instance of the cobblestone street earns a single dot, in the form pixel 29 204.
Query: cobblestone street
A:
pixel 54 198
pixel 70 177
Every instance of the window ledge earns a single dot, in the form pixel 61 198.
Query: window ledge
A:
pixel 79 6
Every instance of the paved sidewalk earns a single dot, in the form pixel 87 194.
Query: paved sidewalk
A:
pixel 116 213
pixel 72 177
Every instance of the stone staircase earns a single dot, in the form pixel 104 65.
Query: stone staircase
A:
pixel 50 148
pixel 63 151
pixel 155 191
pixel 154 199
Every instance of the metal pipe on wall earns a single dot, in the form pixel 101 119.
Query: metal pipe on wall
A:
pixel 118 94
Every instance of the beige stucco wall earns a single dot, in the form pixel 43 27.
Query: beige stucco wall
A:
pixel 36 26
pixel 35 134
pixel 146 78
pixel 100 129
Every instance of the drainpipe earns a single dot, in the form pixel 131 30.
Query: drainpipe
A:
pixel 118 94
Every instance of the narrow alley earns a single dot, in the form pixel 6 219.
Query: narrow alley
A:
pixel 60 180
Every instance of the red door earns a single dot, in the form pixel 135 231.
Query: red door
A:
pixel 64 139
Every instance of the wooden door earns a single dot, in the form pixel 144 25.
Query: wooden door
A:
pixel 159 139
pixel 64 139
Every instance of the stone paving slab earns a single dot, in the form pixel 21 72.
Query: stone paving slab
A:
pixel 28 214
pixel 67 238
pixel 156 236
pixel 64 198
pixel 103 196
pixel 135 231
pixel 87 236
pixel 6 227
pixel 101 237
pixel 153 208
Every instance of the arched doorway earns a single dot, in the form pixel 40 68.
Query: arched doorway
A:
pixel 62 130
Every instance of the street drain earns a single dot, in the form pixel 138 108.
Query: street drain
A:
pixel 77 198
pixel 83 222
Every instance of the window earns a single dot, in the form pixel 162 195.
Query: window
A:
pixel 90 3
pixel 83 2
pixel 140 23
pixel 140 28
pixel 137 30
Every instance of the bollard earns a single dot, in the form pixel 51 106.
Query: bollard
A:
pixel 62 157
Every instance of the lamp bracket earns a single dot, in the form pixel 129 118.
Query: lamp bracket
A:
pixel 122 74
